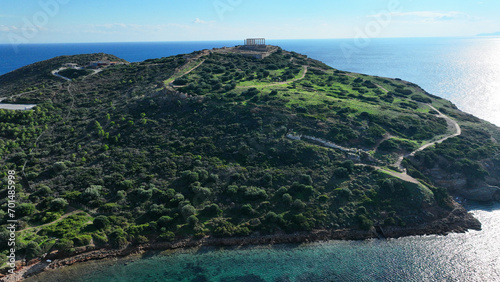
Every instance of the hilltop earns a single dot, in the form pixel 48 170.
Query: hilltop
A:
pixel 219 144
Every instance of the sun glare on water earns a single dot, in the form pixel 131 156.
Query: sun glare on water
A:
pixel 480 93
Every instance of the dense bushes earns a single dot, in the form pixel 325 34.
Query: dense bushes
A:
pixel 146 166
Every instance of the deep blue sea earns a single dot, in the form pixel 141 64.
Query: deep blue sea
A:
pixel 463 70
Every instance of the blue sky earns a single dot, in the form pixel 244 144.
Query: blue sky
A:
pixel 45 21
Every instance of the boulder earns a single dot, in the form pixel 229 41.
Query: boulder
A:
pixel 484 193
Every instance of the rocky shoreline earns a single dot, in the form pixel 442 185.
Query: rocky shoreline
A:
pixel 457 221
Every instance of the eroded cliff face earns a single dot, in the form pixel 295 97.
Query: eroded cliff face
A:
pixel 484 189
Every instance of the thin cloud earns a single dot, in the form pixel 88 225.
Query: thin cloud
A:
pixel 4 28
pixel 490 34
pixel 200 21
pixel 429 15
pixel 13 28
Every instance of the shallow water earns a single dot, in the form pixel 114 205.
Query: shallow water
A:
pixel 472 256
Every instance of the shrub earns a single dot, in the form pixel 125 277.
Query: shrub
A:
pixel 364 222
pixel 192 220
pixel 33 250
pixel 101 222
pixel 58 204
pixel 167 236
pixel 254 193
pixel 164 221
pixel 287 198
pixel 25 209
pixel 65 245
pixel 188 210
pixel 82 240
pixel 212 210
pixel 341 172
pixel 420 98
pixel 59 167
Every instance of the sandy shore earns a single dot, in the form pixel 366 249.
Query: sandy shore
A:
pixel 458 221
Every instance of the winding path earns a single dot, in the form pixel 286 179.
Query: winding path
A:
pixel 17 95
pixel 186 72
pixel 403 175
pixel 450 121
pixel 56 73
pixel 278 83
pixel 53 222
pixel 193 68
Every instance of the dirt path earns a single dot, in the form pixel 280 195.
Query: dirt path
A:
pixel 53 222
pixel 190 70
pixel 379 86
pixel 193 68
pixel 387 136
pixel 190 60
pixel 449 121
pixel 17 95
pixel 403 175
pixel 278 83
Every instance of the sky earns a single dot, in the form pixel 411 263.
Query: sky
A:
pixel 71 21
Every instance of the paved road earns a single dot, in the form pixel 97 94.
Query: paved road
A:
pixel 17 106
pixel 56 73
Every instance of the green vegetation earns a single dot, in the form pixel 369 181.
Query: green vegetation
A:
pixel 73 73
pixel 145 163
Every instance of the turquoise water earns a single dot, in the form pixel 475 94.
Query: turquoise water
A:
pixel 473 256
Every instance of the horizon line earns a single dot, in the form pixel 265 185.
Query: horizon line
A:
pixel 225 40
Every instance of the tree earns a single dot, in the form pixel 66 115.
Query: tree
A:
pixel 58 204
pixel 188 210
pixel 43 190
pixel 341 172
pixel 164 221
pixel 33 250
pixel 25 209
pixel 364 222
pixel 101 222
pixel 65 245
pixel 58 167
pixel 287 198
pixel 118 239
pixel 192 220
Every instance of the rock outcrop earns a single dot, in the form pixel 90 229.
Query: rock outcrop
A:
pixel 484 193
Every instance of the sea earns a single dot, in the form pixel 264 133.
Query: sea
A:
pixel 471 256
pixel 463 70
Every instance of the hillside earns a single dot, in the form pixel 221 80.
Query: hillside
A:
pixel 215 144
